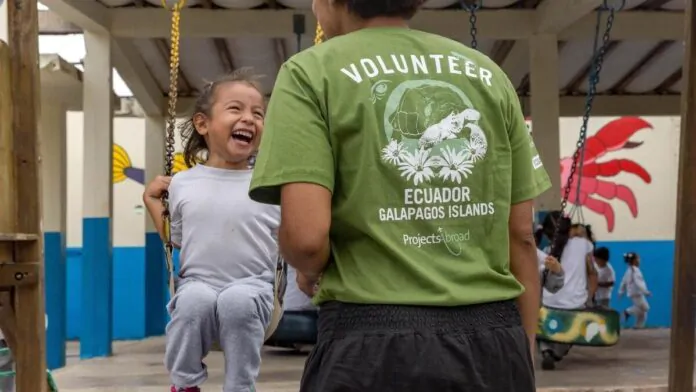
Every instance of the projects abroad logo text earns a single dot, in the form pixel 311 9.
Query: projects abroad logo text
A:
pixel 452 241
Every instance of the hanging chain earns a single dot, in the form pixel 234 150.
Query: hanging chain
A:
pixel 595 71
pixel 173 97
pixel 473 18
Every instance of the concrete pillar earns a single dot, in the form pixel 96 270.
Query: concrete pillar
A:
pixel 53 164
pixel 156 293
pixel 545 110
pixel 97 260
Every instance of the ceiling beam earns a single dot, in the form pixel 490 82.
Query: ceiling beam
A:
pixel 94 17
pixel 88 15
pixel 501 49
pixel 670 81
pixel 165 50
pixel 554 16
pixel 640 66
pixel 631 25
pixel 51 23
pixel 510 24
pixel 516 63
pixel 584 72
pixel 137 76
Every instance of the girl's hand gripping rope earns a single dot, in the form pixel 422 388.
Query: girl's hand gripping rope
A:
pixel 152 197
pixel 157 187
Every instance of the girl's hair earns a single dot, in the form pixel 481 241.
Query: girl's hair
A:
pixel 195 146
pixel 558 243
pixel 590 234
pixel 630 257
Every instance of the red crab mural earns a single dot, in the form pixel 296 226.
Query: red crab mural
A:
pixel 611 137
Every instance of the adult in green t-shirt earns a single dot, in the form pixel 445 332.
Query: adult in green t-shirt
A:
pixel 405 175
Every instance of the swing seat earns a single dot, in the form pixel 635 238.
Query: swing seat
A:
pixel 296 329
pixel 581 327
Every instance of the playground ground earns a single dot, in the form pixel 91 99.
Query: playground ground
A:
pixel 638 363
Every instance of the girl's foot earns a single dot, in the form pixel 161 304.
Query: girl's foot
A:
pixel 188 389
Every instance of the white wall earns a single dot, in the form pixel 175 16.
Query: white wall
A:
pixel 129 213
pixel 658 155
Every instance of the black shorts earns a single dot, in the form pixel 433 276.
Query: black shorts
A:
pixel 384 348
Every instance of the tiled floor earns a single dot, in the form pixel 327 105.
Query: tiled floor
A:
pixel 640 359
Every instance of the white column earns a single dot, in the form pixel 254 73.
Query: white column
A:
pixel 156 293
pixel 97 260
pixel 545 109
pixel 53 165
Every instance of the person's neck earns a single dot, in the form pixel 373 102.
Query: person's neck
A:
pixel 358 24
pixel 221 163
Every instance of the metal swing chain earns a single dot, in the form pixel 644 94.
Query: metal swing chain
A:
pixel 318 36
pixel 173 97
pixel 473 18
pixel 597 61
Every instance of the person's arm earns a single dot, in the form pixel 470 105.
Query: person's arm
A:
pixel 295 168
pixel 304 229
pixel 523 264
pixel 528 180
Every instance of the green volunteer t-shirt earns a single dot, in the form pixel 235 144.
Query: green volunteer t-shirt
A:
pixel 423 145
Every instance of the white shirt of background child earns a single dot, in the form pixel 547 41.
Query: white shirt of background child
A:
pixel 604 275
pixel 633 283
pixel 573 295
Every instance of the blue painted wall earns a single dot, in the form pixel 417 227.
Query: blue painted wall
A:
pixel 657 265
pixel 130 319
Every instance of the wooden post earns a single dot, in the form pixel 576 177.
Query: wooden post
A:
pixel 681 361
pixel 29 350
pixel 7 193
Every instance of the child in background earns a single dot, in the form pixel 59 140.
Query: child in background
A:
pixel 633 284
pixel 551 271
pixel 605 277
pixel 228 242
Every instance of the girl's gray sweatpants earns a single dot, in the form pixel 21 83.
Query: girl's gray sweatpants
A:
pixel 236 317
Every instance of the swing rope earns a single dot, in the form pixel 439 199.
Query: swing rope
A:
pixel 599 52
pixel 171 127
pixel 593 80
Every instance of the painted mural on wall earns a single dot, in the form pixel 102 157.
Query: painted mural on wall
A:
pixel 123 167
pixel 602 162
pixel 598 185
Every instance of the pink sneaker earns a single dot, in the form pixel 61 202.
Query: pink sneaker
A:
pixel 189 389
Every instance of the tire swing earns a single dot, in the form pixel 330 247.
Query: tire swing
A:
pixel 297 329
pixel 281 267
pixel 591 326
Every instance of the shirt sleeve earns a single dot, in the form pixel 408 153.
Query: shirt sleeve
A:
pixel 295 146
pixel 529 178
pixel 175 213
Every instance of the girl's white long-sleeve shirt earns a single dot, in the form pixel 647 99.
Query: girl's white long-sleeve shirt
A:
pixel 633 283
